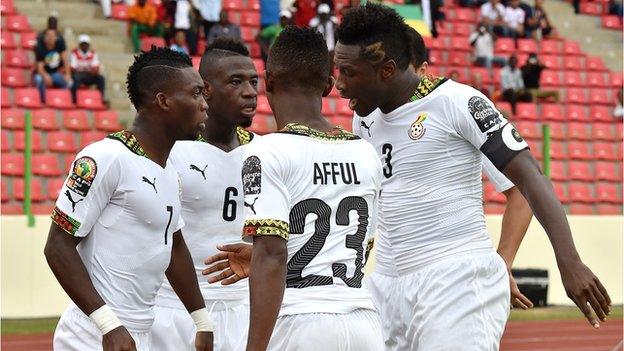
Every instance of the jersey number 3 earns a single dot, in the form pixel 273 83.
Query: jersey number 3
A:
pixel 321 230
pixel 386 149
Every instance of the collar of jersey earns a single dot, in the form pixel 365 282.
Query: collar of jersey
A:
pixel 129 140
pixel 244 136
pixel 335 134
pixel 426 85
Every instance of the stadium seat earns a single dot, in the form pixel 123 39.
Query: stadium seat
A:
pixel 107 121
pixel 253 5
pixel 528 130
pixel 560 191
pixel 581 209
pixel 576 96
pixel 250 18
pixel 612 22
pixel 505 108
pixel 576 113
pixel 196 61
pixel 7 41
pixel 19 141
pixel 342 108
pixel 461 44
pixel 615 79
pixel 572 63
pixel 17 58
pixel 526 110
pixel 600 114
pixel 54 188
pixel 438 43
pixel 76 120
pixel 89 99
pixel 28 40
pixel 579 151
pixel 44 208
pixel 230 5
pixel 259 64
pixel 45 165
pixel 27 98
pixel 571 48
pixel 552 112
pixel 605 209
pixel 7 7
pixel 550 46
pixel 605 151
pixel 536 149
pixel 558 171
pixel 328 108
pixel 491 195
pixel 558 151
pixel 579 192
pixel 600 97
pixel 14 77
pixel 579 131
pixel 12 164
pixel 603 131
pixel 255 50
pixel 461 72
pixel 458 58
pixel 580 171
pixel 247 34
pixel 607 171
pixel 44 119
pixel 263 124
pixel 19 189
pixel 263 105
pixel 62 142
pixel 119 11
pixel 596 79
pixel 13 118
pixel 590 8
pixel 572 78
pixel 481 71
pixel 5 101
pixel 550 78
pixel 5 192
pixel 462 29
pixel 345 122
pixel 17 23
pixel 68 161
pixel 59 98
pixel 504 46
pixel 4 140
pixel 12 209
pixel 558 131
pixel 619 132
pixel 595 63
pixel 465 15
pixel 551 61
pixel 436 57
pixel 147 42
pixel 527 46
pixel 608 192
pixel 87 138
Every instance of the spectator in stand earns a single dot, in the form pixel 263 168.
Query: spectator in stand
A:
pixel 85 67
pixel 50 69
pixel 267 36
pixel 209 11
pixel 184 21
pixel 514 20
pixel 223 29
pixel 616 8
pixel 165 13
pixel 143 19
pixel 483 43
pixel 107 6
pixel 326 24
pixel 493 15
pixel 512 84
pixel 453 75
pixel 618 111
pixel 269 13
pixel 179 42
pixel 531 73
pixel 305 10
pixel 52 23
pixel 537 22
pixel 477 83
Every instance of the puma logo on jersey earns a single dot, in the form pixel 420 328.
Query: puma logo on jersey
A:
pixel 367 127
pixel 68 194
pixel 153 184
pixel 251 205
pixel 202 171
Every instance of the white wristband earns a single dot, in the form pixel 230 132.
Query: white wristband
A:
pixel 202 320
pixel 105 319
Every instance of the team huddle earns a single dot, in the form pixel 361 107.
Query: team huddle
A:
pixel 152 218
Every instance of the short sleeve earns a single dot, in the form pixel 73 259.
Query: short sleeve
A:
pixel 39 53
pixel 91 183
pixel 477 120
pixel 501 183
pixel 267 200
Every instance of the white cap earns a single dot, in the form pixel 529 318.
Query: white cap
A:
pixel 285 13
pixel 323 8
pixel 84 38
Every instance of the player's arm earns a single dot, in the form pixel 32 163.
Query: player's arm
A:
pixel 80 203
pixel 183 280
pixel 482 125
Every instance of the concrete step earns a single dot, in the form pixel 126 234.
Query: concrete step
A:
pixel 81 10
pixel 91 26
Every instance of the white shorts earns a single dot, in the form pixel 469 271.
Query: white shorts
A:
pixel 77 332
pixel 457 303
pixel 359 330
pixel 174 330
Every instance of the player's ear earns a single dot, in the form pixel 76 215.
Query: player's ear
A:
pixel 330 84
pixel 268 81
pixel 387 69
pixel 422 70
pixel 161 101
pixel 207 90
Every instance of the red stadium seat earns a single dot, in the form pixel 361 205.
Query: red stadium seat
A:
pixel 44 208
pixel 5 101
pixel 7 7
pixel 462 29
pixel 7 41
pixel 28 40
pixel 572 63
pixel 572 78
pixel 596 79
pixel 571 48
pixel 558 131
pixel 45 165
pixel 12 209
pixel 527 46
pixel 250 18
pixel 13 118
pixel 62 142
pixel 328 108
pixel 611 22
pixel 619 132
pixel 44 119
pixel 17 23
pixel 5 192
pixel 54 188
pixel 90 99
pixel 460 43
pixel 19 188
pixel 550 78
pixel 87 138
pixel 505 108
pixel 526 110
pixel 595 63
pixel 590 8
pixel 119 11
pixel 576 113
pixel 536 149
pixel 59 98
pixel 580 193
pixel 458 58
pixel 438 43
pixel 558 151
pixel 607 171
pixel 247 34
pixel 528 130
pixel 255 50
pixel 560 191
pixel 263 105
pixel 344 122
pixel 17 58
pixel 581 209
pixel 552 112
pixel 606 192
pixel 600 96
pixel 603 131
pixel 600 114
pixel 605 151
pixel 263 124
pixel 579 131
pixel 551 61
pixel 550 46
pixel 19 141
pixel 604 209
pixel 436 57
pixel 481 71
pixel 465 15
pixel 147 42
pixel 491 195
pixel 342 108
pixel 232 5
pixel 576 96
pixel 253 5
pixel 579 151
pixel 14 77
pixel 259 64
pixel 76 120
pixel 107 121
pixel 615 79
pixel 5 141
pixel 504 46
pixel 68 162
pixel 580 171
pixel 12 164
pixel 196 61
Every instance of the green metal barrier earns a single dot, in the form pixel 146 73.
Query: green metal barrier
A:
pixel 546 148
pixel 28 128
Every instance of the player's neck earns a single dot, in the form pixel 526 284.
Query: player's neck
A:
pixel 401 91
pixel 154 139
pixel 221 135
pixel 299 108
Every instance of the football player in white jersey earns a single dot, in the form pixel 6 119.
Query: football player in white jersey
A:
pixel 212 199
pixel 438 283
pixel 313 190
pixel 116 224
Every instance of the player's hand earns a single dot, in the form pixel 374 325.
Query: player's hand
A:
pixel 517 299
pixel 584 288
pixel 204 341
pixel 233 263
pixel 118 339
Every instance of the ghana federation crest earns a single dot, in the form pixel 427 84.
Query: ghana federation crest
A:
pixel 417 129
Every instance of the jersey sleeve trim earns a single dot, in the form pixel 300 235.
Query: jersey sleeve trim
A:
pixel 266 227
pixel 65 222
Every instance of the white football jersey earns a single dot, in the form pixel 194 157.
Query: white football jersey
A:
pixel 212 209
pixel 431 150
pixel 126 207
pixel 318 191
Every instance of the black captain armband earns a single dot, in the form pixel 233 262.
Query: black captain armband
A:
pixel 502 145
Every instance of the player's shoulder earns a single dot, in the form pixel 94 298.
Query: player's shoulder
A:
pixel 105 150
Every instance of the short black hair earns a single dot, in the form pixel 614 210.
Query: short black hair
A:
pixel 299 58
pixel 152 69
pixel 372 23
pixel 218 49
pixel 417 44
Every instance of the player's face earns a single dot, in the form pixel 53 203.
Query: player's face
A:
pixel 233 91
pixel 357 80
pixel 187 106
